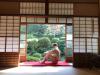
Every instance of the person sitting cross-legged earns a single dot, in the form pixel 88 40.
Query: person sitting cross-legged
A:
pixel 53 55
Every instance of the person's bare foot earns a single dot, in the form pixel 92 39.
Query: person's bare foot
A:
pixel 42 62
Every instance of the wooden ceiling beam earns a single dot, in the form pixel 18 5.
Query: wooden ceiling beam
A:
pixel 56 1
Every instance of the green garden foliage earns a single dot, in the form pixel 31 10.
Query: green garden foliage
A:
pixel 55 40
pixel 34 57
pixel 37 55
pixel 40 38
pixel 32 46
pixel 44 44
pixel 37 30
pixel 31 58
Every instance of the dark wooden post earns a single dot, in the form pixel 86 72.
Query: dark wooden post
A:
pixel 46 10
pixel 99 26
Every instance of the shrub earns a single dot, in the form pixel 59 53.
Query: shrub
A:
pixel 37 55
pixel 30 36
pixel 31 58
pixel 33 44
pixel 62 38
pixel 61 45
pixel 55 40
pixel 44 42
pixel 50 36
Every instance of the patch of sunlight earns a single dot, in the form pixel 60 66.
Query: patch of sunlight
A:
pixel 23 70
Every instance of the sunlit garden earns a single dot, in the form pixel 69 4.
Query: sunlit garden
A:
pixel 40 38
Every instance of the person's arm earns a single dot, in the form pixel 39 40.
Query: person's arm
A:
pixel 59 55
pixel 50 51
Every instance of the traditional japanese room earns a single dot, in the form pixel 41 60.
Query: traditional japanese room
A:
pixel 28 28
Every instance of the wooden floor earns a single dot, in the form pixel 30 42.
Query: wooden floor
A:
pixel 48 70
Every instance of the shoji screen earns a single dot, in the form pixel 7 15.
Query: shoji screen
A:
pixel 32 19
pixel 57 20
pixel 69 41
pixel 2 44
pixel 60 8
pixel 23 44
pixel 9 33
pixel 9 40
pixel 32 8
pixel 85 35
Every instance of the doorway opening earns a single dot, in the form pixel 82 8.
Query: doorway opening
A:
pixel 39 38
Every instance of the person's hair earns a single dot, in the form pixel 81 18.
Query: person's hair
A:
pixel 54 44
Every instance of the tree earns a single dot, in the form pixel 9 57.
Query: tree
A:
pixel 37 30
pixel 61 32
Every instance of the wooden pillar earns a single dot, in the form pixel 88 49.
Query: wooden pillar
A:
pixel 46 10
pixel 99 26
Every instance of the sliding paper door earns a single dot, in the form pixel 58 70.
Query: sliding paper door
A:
pixel 9 40
pixel 85 38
